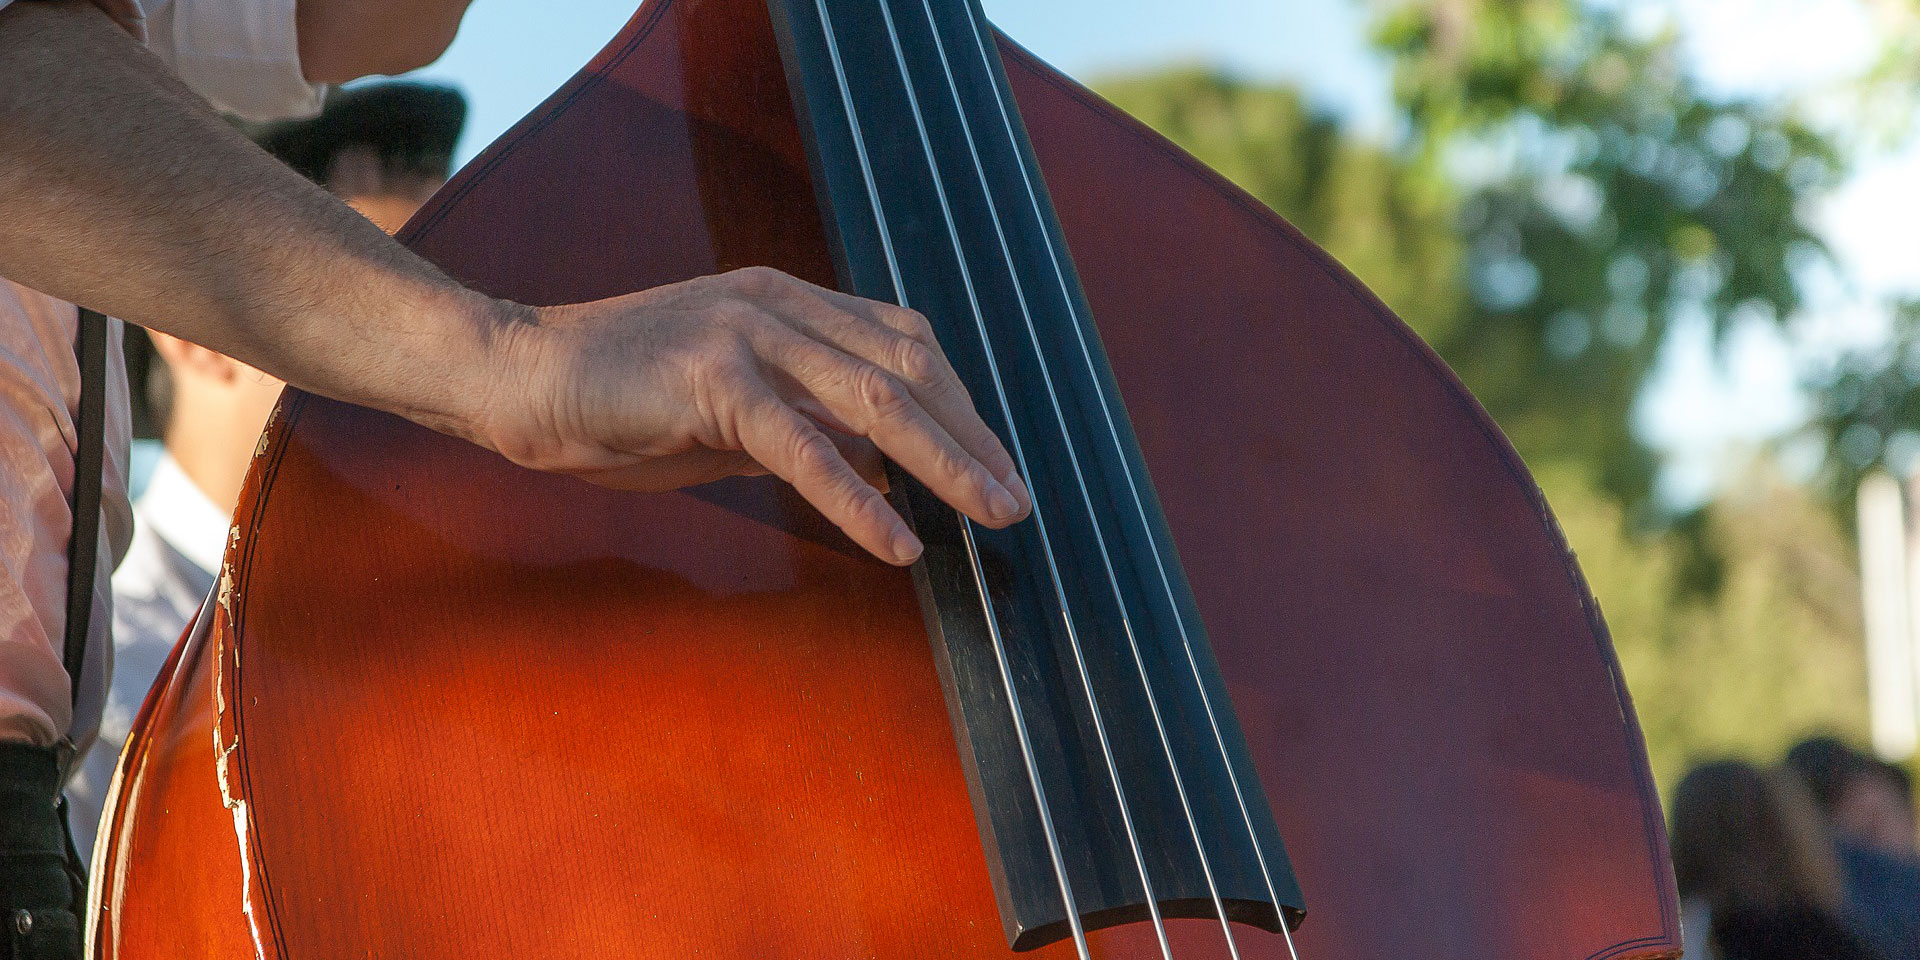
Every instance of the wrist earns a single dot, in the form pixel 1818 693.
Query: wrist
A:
pixel 494 344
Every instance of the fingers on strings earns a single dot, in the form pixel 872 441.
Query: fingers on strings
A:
pixel 867 399
pixel 901 341
pixel 838 364
pixel 796 450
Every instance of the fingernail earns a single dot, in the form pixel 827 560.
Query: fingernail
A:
pixel 906 546
pixel 1000 502
pixel 1019 489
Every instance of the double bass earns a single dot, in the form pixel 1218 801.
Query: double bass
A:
pixel 1290 661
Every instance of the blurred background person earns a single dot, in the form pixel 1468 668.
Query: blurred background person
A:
pixel 1866 805
pixel 1868 801
pixel 384 149
pixel 1757 878
pixel 1888 822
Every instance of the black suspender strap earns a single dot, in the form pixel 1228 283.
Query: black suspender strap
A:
pixel 83 552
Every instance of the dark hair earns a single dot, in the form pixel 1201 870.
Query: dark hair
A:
pixel 410 127
pixel 1827 765
pixel 1745 839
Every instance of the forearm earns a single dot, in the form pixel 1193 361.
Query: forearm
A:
pixel 121 190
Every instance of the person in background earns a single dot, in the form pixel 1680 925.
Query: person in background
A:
pixel 1868 812
pixel 1757 879
pixel 1868 801
pixel 1880 809
pixel 384 149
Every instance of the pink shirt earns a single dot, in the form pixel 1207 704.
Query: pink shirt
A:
pixel 242 56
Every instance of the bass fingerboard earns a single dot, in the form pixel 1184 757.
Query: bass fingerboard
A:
pixel 1109 775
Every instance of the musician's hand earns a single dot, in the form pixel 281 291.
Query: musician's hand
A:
pixel 750 372
pixel 122 190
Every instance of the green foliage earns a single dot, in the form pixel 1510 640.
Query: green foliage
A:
pixel 1868 400
pixel 1887 92
pixel 1604 197
pixel 1562 195
pixel 1868 408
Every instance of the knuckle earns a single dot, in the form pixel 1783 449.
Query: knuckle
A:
pixel 965 470
pixel 954 470
pixel 719 286
pixel 758 279
pixel 811 451
pixel 915 361
pixel 860 500
pixel 914 324
pixel 735 313
pixel 880 393
pixel 720 349
pixel 714 364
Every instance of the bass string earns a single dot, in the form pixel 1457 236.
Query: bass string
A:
pixel 1019 452
pixel 1073 458
pixel 966 526
pixel 1073 308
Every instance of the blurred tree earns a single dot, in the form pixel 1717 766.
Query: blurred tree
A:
pixel 1562 195
pixel 1867 400
pixel 1889 89
pixel 1605 197
pixel 1867 408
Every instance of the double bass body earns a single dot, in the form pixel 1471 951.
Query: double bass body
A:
pixel 444 707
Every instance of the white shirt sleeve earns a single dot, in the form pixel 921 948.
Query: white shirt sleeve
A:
pixel 242 55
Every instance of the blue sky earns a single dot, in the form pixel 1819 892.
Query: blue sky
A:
pixel 511 53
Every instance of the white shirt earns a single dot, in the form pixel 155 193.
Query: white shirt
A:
pixel 241 55
pixel 178 538
pixel 1696 929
